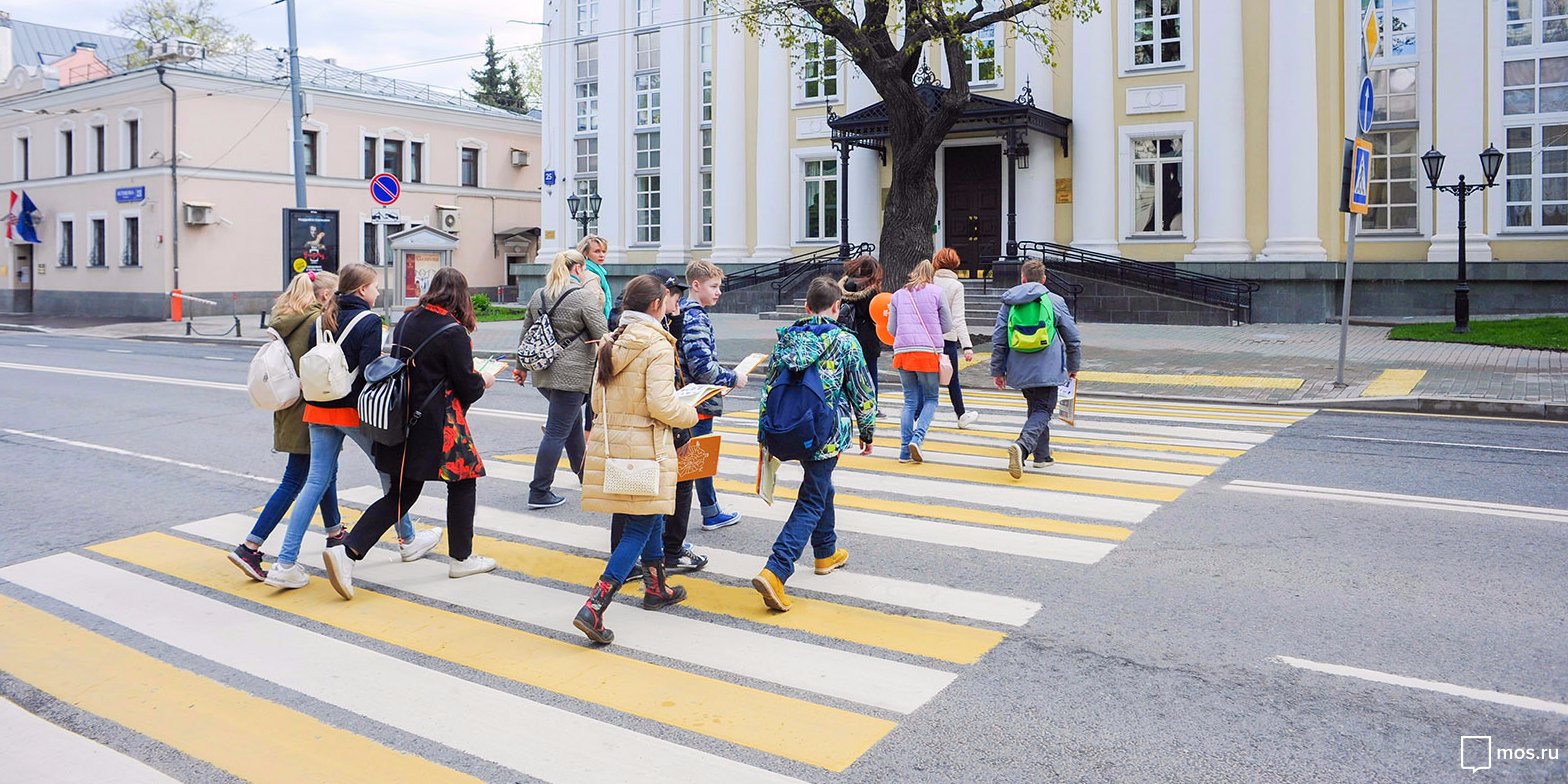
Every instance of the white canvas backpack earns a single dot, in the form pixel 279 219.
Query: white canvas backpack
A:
pixel 323 371
pixel 272 382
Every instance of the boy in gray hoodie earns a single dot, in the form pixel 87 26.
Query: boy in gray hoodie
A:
pixel 1038 373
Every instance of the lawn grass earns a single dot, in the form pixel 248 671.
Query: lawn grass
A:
pixel 494 313
pixel 1548 333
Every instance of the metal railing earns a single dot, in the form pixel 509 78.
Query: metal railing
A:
pixel 786 275
pixel 1229 293
pixel 1002 272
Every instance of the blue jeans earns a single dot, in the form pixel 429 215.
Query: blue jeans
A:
pixel 326 442
pixel 707 497
pixel 563 430
pixel 642 534
pixel 920 391
pixel 812 518
pixel 293 479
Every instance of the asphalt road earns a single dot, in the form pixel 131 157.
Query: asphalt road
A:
pixel 1159 662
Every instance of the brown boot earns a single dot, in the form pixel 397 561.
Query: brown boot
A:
pixel 657 593
pixel 590 619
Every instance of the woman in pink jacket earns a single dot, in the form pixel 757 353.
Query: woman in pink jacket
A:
pixel 917 318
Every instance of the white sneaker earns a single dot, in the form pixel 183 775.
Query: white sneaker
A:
pixel 473 564
pixel 340 570
pixel 967 419
pixel 422 543
pixel 291 576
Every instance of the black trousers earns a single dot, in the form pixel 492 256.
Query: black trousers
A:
pixel 460 500
pixel 674 525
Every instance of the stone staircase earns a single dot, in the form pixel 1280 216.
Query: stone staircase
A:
pixel 980 308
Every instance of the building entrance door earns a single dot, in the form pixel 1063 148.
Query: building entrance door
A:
pixel 972 192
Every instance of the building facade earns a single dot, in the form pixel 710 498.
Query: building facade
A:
pixel 1205 133
pixel 116 234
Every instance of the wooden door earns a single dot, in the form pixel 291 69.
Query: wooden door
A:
pixel 972 193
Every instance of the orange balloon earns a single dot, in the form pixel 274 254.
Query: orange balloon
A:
pixel 881 304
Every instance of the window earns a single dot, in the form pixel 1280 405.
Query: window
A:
pixel 1157 186
pixel 1392 203
pixel 133 144
pixel 980 54
pixel 588 106
pixel 705 146
pixel 646 10
pixel 96 256
pixel 1537 85
pixel 24 158
pixel 647 150
pixel 1397 30
pixel 416 161
pixel 368 251
pixel 370 157
pixel 587 186
pixel 587 17
pixel 648 51
pixel 648 208
pixel 100 148
pixel 588 60
pixel 67 243
pixel 705 185
pixel 821 199
pixel 312 150
pixel 1535 179
pixel 587 156
pixel 647 87
pixel 131 255
pixel 392 157
pixel 1394 94
pixel 819 70
pixel 707 97
pixel 1536 22
pixel 67 153
pixel 469 159
pixel 1157 33
pixel 705 61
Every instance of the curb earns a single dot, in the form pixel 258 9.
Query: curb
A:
pixel 246 342
pixel 22 328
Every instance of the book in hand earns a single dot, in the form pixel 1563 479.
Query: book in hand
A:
pixel 695 394
pixel 767 474
pixel 489 366
pixel 749 364
pixel 699 458
pixel 1067 403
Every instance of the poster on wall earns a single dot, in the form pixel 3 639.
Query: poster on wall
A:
pixel 418 269
pixel 310 241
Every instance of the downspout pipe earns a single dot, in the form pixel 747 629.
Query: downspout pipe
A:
pixel 174 169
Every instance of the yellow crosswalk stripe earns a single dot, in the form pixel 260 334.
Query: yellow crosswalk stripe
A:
pixel 1190 380
pixel 994 401
pixel 254 739
pixel 1065 484
pixel 1394 382
pixel 819 735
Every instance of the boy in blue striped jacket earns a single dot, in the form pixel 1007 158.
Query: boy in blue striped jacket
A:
pixel 699 361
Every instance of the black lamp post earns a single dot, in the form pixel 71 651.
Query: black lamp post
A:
pixel 1432 162
pixel 584 208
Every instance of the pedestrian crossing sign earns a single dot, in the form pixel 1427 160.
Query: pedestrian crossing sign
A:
pixel 1361 177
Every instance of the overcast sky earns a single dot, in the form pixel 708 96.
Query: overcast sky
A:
pixel 392 32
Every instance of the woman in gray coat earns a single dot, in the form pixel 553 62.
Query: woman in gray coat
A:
pixel 577 318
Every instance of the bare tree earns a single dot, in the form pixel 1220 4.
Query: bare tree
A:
pixel 887 40
pixel 150 21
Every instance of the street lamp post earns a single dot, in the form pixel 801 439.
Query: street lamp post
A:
pixel 1432 162
pixel 584 208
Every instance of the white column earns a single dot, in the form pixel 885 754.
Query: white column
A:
pixel 556 141
pixel 1094 136
pixel 1037 184
pixel 617 216
pixel 771 202
pixel 676 136
pixel 864 199
pixel 1221 159
pixel 1293 134
pixel 730 135
pixel 1461 129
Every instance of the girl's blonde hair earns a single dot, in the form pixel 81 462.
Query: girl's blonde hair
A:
pixel 304 292
pixel 921 276
pixel 589 241
pixel 354 276
pixel 560 274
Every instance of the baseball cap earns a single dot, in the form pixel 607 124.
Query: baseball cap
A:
pixel 668 278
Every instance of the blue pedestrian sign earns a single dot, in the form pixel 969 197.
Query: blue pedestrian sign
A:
pixel 385 188
pixel 1361 177
pixel 1364 106
pixel 549 176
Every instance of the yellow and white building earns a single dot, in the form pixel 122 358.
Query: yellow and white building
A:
pixel 1203 132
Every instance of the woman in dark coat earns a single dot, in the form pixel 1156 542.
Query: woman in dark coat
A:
pixel 861 283
pixel 439 445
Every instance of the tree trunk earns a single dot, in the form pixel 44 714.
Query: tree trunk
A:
pixel 910 213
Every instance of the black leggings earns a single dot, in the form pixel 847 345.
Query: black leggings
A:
pixel 400 497
pixel 674 525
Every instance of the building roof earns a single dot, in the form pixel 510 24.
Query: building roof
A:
pixel 865 127
pixel 36 44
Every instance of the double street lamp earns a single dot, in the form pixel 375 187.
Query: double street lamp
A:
pixel 584 208
pixel 1432 162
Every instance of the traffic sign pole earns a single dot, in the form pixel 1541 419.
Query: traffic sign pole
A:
pixel 1364 106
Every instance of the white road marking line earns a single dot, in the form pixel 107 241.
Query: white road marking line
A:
pixel 119 351
pixel 38 750
pixel 1396 499
pixel 445 708
pixel 522 415
pixel 127 453
pixel 220 359
pixel 1063 469
pixel 902 593
pixel 37 345
pixel 1453 443
pixel 180 382
pixel 992 412
pixel 856 677
pixel 1108 431
pixel 1484 695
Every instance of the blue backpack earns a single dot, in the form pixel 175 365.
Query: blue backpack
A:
pixel 798 419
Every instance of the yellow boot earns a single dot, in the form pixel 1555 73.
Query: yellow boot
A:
pixel 772 589
pixel 834 561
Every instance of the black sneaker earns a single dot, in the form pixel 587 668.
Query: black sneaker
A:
pixel 248 561
pixel 546 501
pixel 635 575
pixel 686 560
pixel 1045 462
pixel 338 539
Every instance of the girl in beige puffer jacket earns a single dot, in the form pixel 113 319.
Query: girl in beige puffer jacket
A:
pixel 635 405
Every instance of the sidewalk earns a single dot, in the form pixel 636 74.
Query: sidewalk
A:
pixel 1258 363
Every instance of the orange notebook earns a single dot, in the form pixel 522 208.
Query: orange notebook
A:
pixel 701 459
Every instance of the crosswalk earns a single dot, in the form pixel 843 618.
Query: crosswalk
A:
pixel 157 634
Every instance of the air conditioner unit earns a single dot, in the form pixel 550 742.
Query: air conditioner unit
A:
pixel 449 219
pixel 519 157
pixel 192 50
pixel 199 214
pixel 175 50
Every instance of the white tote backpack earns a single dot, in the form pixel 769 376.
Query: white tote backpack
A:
pixel 272 382
pixel 323 371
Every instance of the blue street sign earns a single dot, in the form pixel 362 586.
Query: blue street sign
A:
pixel 123 195
pixel 1364 106
pixel 1361 177
pixel 385 188
pixel 549 176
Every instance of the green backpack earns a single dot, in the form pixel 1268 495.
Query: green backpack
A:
pixel 1031 326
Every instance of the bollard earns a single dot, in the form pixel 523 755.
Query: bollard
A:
pixel 176 306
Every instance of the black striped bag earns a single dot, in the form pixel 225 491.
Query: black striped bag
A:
pixel 384 413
